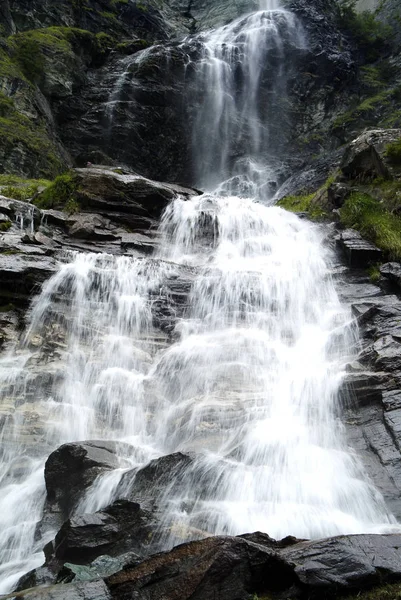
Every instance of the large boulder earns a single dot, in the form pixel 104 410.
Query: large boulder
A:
pixel 72 468
pixel 366 157
pixel 126 199
pixel 121 527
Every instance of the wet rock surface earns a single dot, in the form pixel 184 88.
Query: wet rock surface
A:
pixel 219 568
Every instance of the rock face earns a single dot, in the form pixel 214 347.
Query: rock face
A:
pixel 365 158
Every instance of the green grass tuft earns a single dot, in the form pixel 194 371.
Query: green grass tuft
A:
pixel 393 152
pixel 368 215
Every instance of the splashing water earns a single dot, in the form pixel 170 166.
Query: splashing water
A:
pixel 245 371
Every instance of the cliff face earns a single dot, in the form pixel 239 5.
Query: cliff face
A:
pixel 107 82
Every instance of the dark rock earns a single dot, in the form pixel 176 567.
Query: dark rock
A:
pixel 21 275
pixel 121 527
pixel 345 563
pixel 360 253
pixel 337 194
pixel 149 484
pixel 90 227
pixel 392 271
pixel 131 200
pixel 223 567
pixel 71 469
pixel 365 157
pixel 384 354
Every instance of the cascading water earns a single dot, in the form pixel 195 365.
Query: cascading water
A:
pixel 250 382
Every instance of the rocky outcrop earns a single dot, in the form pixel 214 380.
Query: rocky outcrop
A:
pixel 72 468
pixel 360 253
pixel 366 157
pixel 219 568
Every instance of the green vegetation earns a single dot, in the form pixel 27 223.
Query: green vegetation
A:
pixel 5 226
pixel 20 188
pixel 303 204
pixel 374 273
pixel 369 33
pixel 387 592
pixel 60 194
pixel 393 152
pixel 368 215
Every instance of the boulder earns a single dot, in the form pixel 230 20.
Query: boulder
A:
pixel 130 200
pixel 392 271
pixel 149 484
pixel 72 468
pixel 365 157
pixel 120 528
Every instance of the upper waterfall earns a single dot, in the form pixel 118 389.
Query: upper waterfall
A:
pixel 241 77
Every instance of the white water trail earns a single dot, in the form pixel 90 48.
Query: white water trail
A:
pixel 249 376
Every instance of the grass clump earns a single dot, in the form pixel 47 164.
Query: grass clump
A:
pixel 19 188
pixel 60 194
pixel 368 215
pixel 302 203
pixel 374 273
pixel 387 592
pixel 5 226
pixel 393 152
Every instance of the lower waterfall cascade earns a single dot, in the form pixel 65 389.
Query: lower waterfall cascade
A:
pixel 243 370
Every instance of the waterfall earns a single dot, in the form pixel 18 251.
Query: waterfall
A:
pixel 248 374
pixel 232 129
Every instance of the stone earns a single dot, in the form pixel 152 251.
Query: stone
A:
pixel 225 567
pixel 392 271
pixel 21 275
pixel 345 562
pixel 365 157
pixel 120 528
pixel 90 227
pixel 359 252
pixel 72 468
pixel 149 483
pixel 130 200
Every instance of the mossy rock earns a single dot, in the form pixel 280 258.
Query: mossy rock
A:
pixel 61 194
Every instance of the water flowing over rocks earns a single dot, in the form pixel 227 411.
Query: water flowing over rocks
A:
pixel 194 367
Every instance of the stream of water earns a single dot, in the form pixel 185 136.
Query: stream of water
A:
pixel 248 378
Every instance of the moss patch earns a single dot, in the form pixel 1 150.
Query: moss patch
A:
pixel 19 188
pixel 60 194
pixel 368 215
pixel 5 226
pixel 393 152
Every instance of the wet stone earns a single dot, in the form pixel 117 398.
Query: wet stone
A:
pixel 359 252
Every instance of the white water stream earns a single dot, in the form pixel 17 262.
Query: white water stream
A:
pixel 249 379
